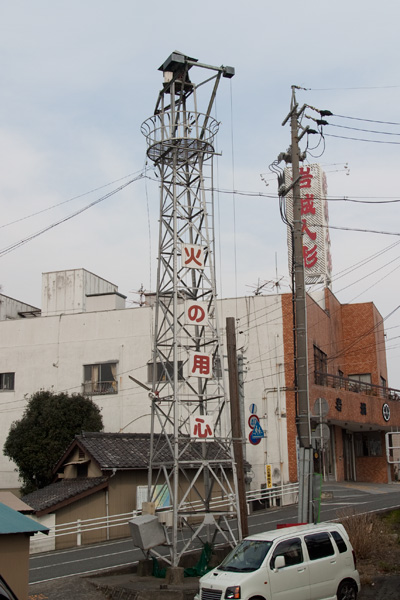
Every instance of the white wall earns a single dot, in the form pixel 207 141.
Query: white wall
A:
pixel 49 352
pixel 259 337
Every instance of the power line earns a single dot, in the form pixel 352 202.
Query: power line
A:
pixel 342 137
pixel 364 130
pixel 373 87
pixel 24 241
pixel 357 229
pixel 366 120
pixel 39 212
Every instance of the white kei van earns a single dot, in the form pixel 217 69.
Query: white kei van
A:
pixel 303 562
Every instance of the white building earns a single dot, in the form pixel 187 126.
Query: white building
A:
pixel 85 340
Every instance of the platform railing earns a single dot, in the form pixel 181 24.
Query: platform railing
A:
pixel 353 385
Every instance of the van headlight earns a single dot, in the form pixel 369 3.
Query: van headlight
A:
pixel 233 592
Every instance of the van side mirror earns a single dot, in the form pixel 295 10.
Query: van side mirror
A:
pixel 279 563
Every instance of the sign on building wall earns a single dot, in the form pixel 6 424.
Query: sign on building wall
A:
pixel 315 219
pixel 162 496
pixel 268 475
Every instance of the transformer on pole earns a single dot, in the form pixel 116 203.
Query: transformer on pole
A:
pixel 191 457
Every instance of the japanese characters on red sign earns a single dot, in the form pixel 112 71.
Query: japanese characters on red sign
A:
pixel 310 249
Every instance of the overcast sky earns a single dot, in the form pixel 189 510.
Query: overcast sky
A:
pixel 79 78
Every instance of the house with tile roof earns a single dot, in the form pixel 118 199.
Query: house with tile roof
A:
pixel 105 474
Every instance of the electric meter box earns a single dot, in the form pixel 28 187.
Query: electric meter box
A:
pixel 146 532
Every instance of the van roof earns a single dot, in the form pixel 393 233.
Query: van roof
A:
pixel 290 530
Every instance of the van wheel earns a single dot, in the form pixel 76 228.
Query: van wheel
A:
pixel 257 598
pixel 347 591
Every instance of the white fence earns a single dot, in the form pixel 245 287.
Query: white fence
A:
pixel 263 498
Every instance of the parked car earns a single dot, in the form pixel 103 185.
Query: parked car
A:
pixel 303 562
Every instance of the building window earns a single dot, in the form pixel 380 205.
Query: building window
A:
pixel 320 366
pixel 100 379
pixel 164 372
pixel 82 470
pixel 383 386
pixel 7 381
pixel 358 380
pixel 368 444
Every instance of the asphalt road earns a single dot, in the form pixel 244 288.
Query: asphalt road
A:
pixel 90 559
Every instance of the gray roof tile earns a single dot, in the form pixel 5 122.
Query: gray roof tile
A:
pixel 132 450
pixel 63 490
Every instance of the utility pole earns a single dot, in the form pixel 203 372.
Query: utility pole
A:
pixel 238 441
pixel 301 350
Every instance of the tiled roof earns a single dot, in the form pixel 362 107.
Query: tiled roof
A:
pixel 11 521
pixel 132 450
pixel 59 492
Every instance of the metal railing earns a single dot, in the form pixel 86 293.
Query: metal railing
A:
pixel 99 388
pixel 353 385
pixel 264 496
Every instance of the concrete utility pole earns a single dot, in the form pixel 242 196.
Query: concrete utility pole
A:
pixel 301 354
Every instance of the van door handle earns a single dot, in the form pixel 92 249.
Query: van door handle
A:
pixel 301 569
pixel 333 562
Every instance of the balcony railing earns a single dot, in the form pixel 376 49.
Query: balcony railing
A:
pixel 353 385
pixel 99 388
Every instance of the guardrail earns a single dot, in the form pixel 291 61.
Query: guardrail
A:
pixel 264 497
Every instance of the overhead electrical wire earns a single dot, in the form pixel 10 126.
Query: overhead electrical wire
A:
pixel 373 87
pixel 357 229
pixel 364 130
pixel 366 120
pixel 39 212
pixel 343 137
pixel 24 241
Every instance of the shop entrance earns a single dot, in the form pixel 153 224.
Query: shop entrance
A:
pixel 348 456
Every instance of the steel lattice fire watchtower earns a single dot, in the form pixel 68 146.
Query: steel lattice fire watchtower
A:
pixel 191 446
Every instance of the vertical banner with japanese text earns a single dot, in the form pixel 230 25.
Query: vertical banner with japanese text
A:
pixel 315 220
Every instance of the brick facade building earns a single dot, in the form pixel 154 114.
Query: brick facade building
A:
pixel 347 371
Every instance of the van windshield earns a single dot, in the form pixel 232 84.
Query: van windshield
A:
pixel 246 557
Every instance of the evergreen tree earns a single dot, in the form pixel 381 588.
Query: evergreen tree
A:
pixel 49 424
